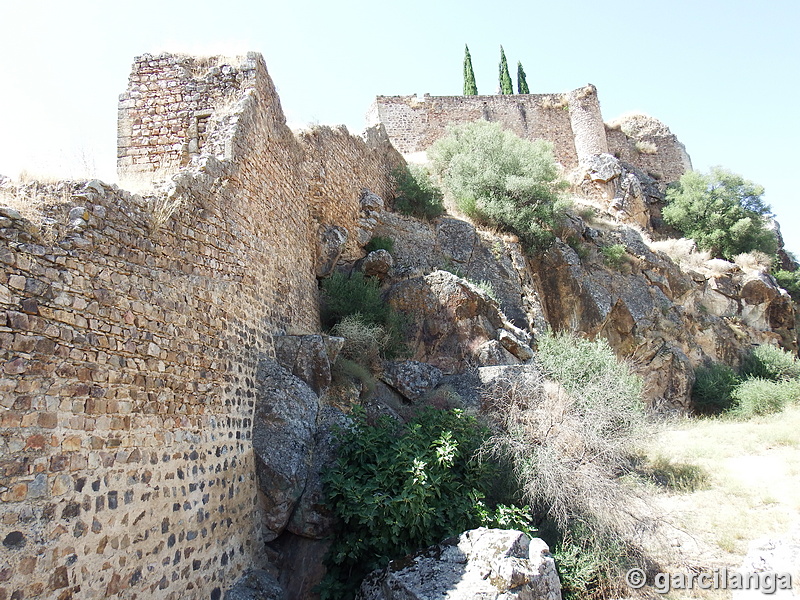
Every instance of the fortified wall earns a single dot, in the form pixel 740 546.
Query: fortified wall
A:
pixel 131 328
pixel 572 122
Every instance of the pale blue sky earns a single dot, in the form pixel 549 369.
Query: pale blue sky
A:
pixel 723 75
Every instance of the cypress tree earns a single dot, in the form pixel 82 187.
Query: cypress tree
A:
pixel 470 87
pixel 522 85
pixel 506 87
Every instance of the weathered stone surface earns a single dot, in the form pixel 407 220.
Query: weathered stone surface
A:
pixel 330 245
pixel 450 319
pixel 284 424
pixel 308 357
pixel 482 563
pixel 493 353
pixel 413 379
pixel 602 167
pixel 311 517
pixel 378 263
pixel 256 585
pixel 301 564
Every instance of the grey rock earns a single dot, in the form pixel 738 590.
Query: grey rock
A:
pixel 513 344
pixel 486 564
pixel 602 167
pixel 284 423
pixel 256 585
pixel 378 263
pixel 308 357
pixel 331 240
pixel 311 518
pixel 492 353
pixel 413 379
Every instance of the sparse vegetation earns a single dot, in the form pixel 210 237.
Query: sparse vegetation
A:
pixel 569 437
pixel 767 381
pixel 501 180
pixel 614 255
pixel 416 194
pixel 379 243
pixel 790 281
pixel 359 297
pixel 722 212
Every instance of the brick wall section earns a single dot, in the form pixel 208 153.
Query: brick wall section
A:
pixel 666 164
pixel 414 124
pixel 128 349
pixel 338 166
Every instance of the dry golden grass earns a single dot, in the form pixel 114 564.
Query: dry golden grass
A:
pixel 751 490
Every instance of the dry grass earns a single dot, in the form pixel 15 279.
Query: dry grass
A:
pixel 751 490
pixel 645 147
pixel 754 261
pixel 32 199
pixel 685 254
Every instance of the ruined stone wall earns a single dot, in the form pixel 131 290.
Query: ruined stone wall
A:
pixel 413 124
pixel 164 114
pixel 572 122
pixel 338 166
pixel 130 332
pixel 649 145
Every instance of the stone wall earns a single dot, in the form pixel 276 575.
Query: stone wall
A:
pixel 413 124
pixel 130 332
pixel 573 122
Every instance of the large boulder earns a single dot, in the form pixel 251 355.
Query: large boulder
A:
pixel 451 320
pixel 308 357
pixel 412 379
pixel 483 563
pixel 284 423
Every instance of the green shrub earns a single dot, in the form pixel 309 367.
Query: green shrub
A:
pixel 346 294
pixel 770 362
pixel 712 392
pixel 379 243
pixel 790 281
pixel 416 194
pixel 722 212
pixel 499 179
pixel 398 488
pixel 615 255
pixel 762 397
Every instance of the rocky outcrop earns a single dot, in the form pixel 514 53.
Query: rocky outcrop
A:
pixel 412 379
pixel 666 318
pixel 482 563
pixel 452 320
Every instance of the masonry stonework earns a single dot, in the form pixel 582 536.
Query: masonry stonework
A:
pixel 131 328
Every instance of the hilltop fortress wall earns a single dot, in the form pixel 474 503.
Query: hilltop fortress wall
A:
pixel 131 329
pixel 572 122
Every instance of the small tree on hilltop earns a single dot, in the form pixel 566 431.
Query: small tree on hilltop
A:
pixel 722 212
pixel 522 84
pixel 506 87
pixel 470 87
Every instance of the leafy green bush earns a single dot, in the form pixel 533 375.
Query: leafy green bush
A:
pixel 771 363
pixel 416 194
pixel 380 243
pixel 790 281
pixel 722 212
pixel 614 255
pixel 499 179
pixel 345 294
pixel 398 488
pixel 762 397
pixel 713 388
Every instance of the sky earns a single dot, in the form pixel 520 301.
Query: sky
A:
pixel 722 75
